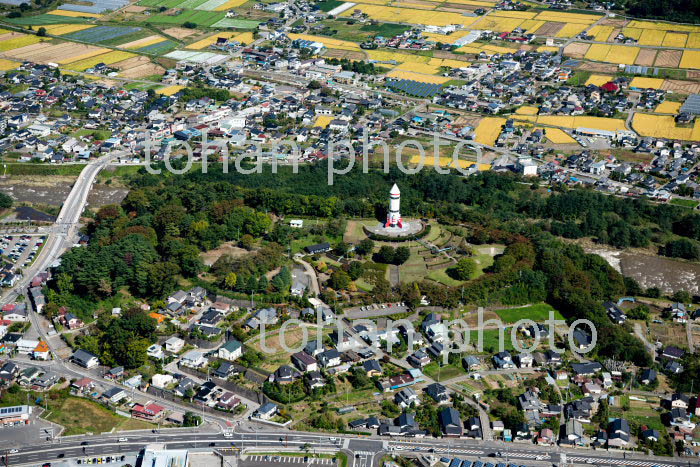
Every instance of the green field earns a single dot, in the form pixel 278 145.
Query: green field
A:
pixel 236 23
pixel 434 371
pixel 440 275
pixel 687 203
pixel 538 312
pixel 45 169
pixel 328 5
pixel 45 20
pixel 491 339
pixel 200 18
pixel 81 416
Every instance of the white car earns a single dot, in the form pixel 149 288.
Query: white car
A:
pixel 14 451
pixel 123 440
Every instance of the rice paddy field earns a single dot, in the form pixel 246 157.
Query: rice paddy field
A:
pixel 204 5
pixel 488 130
pixel 198 17
pixel 107 58
pixel 598 80
pixel 101 34
pixel 612 53
pixel 169 90
pixel 664 126
pixel 242 37
pixel 563 121
pixel 557 136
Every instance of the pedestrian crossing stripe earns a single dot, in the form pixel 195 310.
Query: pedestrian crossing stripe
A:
pixel 290 459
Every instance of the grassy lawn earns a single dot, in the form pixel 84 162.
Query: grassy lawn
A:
pixel 440 275
pixel 434 233
pixel 446 372
pixel 491 339
pixel 687 203
pixel 537 312
pixel 81 416
pixel 414 269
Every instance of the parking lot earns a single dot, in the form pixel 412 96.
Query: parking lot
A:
pixel 21 250
pixel 375 310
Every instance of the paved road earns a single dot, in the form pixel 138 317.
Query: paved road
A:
pixel 365 451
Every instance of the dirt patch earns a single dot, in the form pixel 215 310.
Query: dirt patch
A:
pixel 53 192
pixel 576 50
pixel 668 58
pixel 135 9
pixel 618 23
pixel 457 8
pixel 138 67
pixel 667 274
pixel 646 57
pixel 228 248
pixel 598 67
pixel 447 54
pixel 550 28
pixel 693 74
pixel 179 33
pixel 46 52
pixel 349 54
pixel 682 87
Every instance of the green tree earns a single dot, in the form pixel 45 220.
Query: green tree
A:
pixel 463 270
pixel 230 280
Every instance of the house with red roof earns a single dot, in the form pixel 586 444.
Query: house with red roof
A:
pixel 149 412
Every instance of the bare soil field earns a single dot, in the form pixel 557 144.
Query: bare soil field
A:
pixel 138 67
pixel 646 57
pixel 46 52
pixel 457 7
pixel 576 50
pixel 228 248
pixel 550 28
pixel 180 33
pixel 349 54
pixel 668 58
pixel 693 74
pixel 135 9
pixel 618 23
pixel 683 87
pixel 598 67
pixel 655 271
pixel 53 191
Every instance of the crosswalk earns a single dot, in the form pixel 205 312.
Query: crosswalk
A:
pixel 289 459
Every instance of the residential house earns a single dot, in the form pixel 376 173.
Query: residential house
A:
pixel 85 359
pixel 450 423
pixel 406 397
pixel 149 412
pixel 174 344
pixel 304 362
pixel 194 359
pixel 231 350
pixel 438 392
pixel 266 411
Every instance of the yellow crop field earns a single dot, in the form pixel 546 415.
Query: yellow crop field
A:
pixel 60 29
pixel 527 110
pixel 169 90
pixel 597 52
pixel 675 39
pixel 498 23
pixel 652 37
pixel 448 62
pixel 660 26
pixel 557 136
pixel 244 37
pixel 690 59
pixel 693 40
pixel 323 120
pixel 327 41
pixel 419 68
pixel 498 49
pixel 387 56
pixel 531 25
pixel 513 14
pixel 668 107
pixel 7 64
pixel 429 161
pixel 106 58
pixel 663 126
pixel 411 15
pixel 417 6
pixel 400 74
pixel 74 14
pixel 601 33
pixel 598 80
pixel 622 54
pixel 634 33
pixel 91 53
pixel 567 17
pixel 488 129
pixel 572 29
pixel 375 2
pixel 18 41
pixel 546 48
pixel 207 41
pixel 230 4
pixel 646 83
pixel 563 121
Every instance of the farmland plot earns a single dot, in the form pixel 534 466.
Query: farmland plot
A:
pixel 102 33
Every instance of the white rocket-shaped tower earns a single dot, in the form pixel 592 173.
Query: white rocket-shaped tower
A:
pixel 393 218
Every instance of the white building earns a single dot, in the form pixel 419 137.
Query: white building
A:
pixel 174 344
pixel 231 350
pixel 194 359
